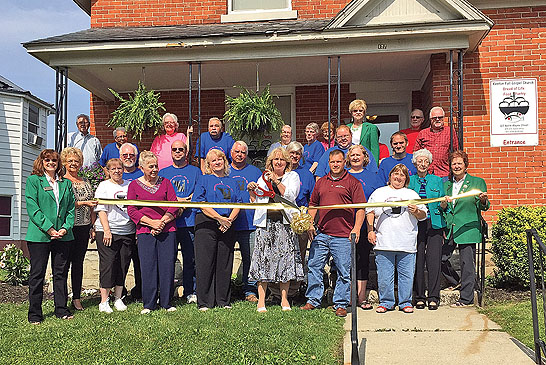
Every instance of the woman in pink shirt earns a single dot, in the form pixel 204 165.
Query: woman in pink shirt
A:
pixel 161 146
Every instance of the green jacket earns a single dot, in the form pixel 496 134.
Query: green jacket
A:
pixel 434 189
pixel 463 218
pixel 42 209
pixel 369 138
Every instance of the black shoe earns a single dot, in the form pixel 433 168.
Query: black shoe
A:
pixel 420 304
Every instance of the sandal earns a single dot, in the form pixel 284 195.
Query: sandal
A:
pixel 382 309
pixel 432 306
pixel 67 317
pixel 406 309
pixel 365 305
pixel 420 305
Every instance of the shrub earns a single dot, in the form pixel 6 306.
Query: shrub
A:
pixel 94 174
pixel 14 266
pixel 509 245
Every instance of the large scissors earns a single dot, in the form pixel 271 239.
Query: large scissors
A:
pixel 277 198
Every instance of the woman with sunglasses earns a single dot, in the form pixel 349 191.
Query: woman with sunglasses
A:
pixel 363 132
pixel 50 207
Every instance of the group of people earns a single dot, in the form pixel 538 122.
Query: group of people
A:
pixel 346 169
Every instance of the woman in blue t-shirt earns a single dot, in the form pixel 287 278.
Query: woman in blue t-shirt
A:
pixel 357 159
pixel 214 238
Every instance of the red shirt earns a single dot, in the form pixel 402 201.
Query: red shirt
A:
pixel 345 190
pixel 383 151
pixel 438 144
pixel 412 136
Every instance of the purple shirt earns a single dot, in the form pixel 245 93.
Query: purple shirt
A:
pixel 162 190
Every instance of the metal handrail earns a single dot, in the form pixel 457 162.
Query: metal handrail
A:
pixel 480 262
pixel 540 345
pixel 355 360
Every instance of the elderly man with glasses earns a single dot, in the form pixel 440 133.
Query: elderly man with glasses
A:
pixel 128 153
pixel 112 149
pixel 416 122
pixel 436 139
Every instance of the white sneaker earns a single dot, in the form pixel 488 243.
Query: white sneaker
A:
pixel 171 309
pixel 145 311
pixel 192 298
pixel 203 309
pixel 119 305
pixel 105 307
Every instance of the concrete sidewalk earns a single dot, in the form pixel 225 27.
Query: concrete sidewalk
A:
pixel 447 335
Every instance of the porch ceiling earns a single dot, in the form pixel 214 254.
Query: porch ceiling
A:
pixel 406 67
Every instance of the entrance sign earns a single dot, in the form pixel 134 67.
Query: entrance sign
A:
pixel 514 112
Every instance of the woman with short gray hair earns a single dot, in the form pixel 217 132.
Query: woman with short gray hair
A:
pixel 161 146
pixel 430 236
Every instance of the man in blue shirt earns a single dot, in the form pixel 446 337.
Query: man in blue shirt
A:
pixel 244 173
pixel 112 150
pixel 184 177
pixel 399 143
pixel 344 141
pixel 213 139
pixel 128 155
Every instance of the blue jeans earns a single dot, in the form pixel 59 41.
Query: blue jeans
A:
pixel 340 249
pixel 184 237
pixel 404 262
pixel 246 241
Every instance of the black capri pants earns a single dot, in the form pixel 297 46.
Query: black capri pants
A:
pixel 114 260
pixel 363 249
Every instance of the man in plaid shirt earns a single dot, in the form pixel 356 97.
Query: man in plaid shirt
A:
pixel 436 140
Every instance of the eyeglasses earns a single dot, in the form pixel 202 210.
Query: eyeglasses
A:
pixel 242 152
pixel 50 159
pixel 358 111
pixel 178 149
pixel 437 118
pixel 127 155
pixel 397 143
pixel 416 117
pixel 122 136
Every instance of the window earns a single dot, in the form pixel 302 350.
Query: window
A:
pixel 33 118
pixel 5 216
pixel 252 5
pixel 256 10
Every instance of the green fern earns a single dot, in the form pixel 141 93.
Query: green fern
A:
pixel 139 113
pixel 251 115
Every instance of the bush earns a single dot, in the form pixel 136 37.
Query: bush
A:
pixel 509 245
pixel 94 174
pixel 14 266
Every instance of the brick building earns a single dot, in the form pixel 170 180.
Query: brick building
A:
pixel 395 54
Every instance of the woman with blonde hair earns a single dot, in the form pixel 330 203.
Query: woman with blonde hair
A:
pixel 214 240
pixel 363 132
pixel 72 160
pixel 156 234
pixel 276 257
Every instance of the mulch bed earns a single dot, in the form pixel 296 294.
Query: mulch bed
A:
pixel 508 295
pixel 17 294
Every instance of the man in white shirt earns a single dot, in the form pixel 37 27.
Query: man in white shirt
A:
pixel 86 142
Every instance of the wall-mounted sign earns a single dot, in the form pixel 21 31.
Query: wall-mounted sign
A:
pixel 514 112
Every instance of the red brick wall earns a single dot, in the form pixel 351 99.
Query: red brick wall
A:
pixel 515 48
pixel 141 13
pixel 312 106
pixel 212 105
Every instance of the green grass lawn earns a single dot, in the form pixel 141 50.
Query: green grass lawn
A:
pixel 515 317
pixel 187 336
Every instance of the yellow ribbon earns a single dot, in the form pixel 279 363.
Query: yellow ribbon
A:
pixel 274 206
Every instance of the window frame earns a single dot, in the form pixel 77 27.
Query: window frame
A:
pixel 258 14
pixel 29 122
pixel 10 197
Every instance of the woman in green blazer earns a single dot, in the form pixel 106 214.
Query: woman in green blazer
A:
pixel 364 133
pixel 463 220
pixel 50 207
pixel 430 236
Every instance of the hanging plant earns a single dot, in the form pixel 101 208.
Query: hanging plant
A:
pixel 252 115
pixel 138 113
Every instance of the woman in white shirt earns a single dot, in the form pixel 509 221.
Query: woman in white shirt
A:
pixel 115 234
pixel 393 232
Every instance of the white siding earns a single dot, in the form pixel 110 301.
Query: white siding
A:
pixel 11 124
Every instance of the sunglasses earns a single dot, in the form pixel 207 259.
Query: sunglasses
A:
pixel 358 111
pixel 178 149
pixel 437 118
pixel 50 159
pixel 416 117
